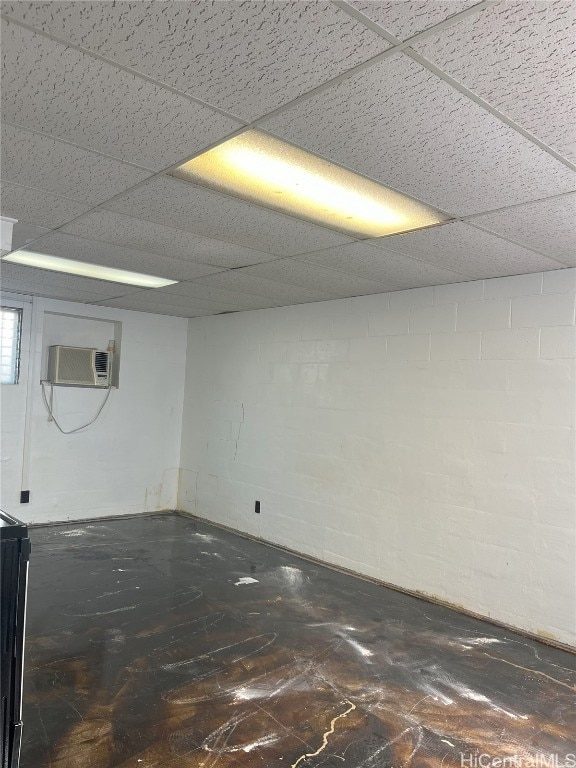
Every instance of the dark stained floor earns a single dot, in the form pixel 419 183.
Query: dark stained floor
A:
pixel 160 642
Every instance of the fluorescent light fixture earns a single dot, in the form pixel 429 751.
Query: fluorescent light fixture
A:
pixel 264 170
pixel 71 267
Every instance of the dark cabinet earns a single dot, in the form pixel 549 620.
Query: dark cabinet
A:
pixel 14 556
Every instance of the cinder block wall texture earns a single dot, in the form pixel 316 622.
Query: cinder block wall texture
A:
pixel 422 437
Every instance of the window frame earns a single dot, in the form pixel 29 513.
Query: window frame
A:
pixel 19 312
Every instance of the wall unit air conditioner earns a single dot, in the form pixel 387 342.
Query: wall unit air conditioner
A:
pixel 79 366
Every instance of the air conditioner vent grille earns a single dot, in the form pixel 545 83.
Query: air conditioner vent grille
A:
pixel 75 365
pixel 101 363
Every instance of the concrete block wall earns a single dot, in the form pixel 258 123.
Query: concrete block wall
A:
pixel 422 437
pixel 128 460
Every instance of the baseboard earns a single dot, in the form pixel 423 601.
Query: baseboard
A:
pixel 126 516
pixel 413 593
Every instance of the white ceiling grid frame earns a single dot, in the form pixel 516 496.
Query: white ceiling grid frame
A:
pixel 395 47
pixel 228 55
pixel 426 140
pixel 233 301
pixel 279 293
pixel 136 120
pixel 43 162
pixel 418 39
pixel 535 62
pixel 477 253
pixel 545 226
pixel 325 85
pixel 407 18
pixel 121 229
pixel 139 299
pixel 153 307
pixel 305 274
pixel 192 294
pixel 36 207
pixel 394 270
pixel 205 212
pixel 346 75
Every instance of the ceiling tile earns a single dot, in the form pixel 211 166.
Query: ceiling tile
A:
pixel 221 297
pixel 54 291
pixel 210 214
pixel 41 282
pixel 63 169
pixel 154 308
pixel 146 235
pixel 153 301
pixel 568 259
pixel 406 18
pixel 391 269
pixel 57 90
pixel 471 251
pixel 106 254
pixel 548 226
pixel 400 124
pixel 34 206
pixel 519 57
pixel 316 277
pixel 236 280
pixel 247 58
pixel 199 301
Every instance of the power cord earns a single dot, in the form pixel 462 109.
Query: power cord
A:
pixel 50 408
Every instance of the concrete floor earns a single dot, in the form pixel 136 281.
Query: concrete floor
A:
pixel 160 642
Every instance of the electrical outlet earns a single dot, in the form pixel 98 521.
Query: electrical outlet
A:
pixel 24 497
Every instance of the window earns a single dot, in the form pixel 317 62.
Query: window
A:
pixel 10 330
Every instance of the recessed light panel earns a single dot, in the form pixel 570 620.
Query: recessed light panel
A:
pixel 264 170
pixel 71 267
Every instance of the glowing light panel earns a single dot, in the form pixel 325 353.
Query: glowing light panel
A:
pixel 267 171
pixel 58 264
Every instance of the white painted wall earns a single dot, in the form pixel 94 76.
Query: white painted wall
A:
pixel 423 437
pixel 128 460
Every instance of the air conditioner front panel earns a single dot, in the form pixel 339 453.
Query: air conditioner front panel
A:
pixel 78 366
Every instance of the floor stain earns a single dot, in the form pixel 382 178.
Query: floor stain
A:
pixel 142 653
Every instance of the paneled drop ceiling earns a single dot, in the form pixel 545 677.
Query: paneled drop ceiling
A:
pixel 468 107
